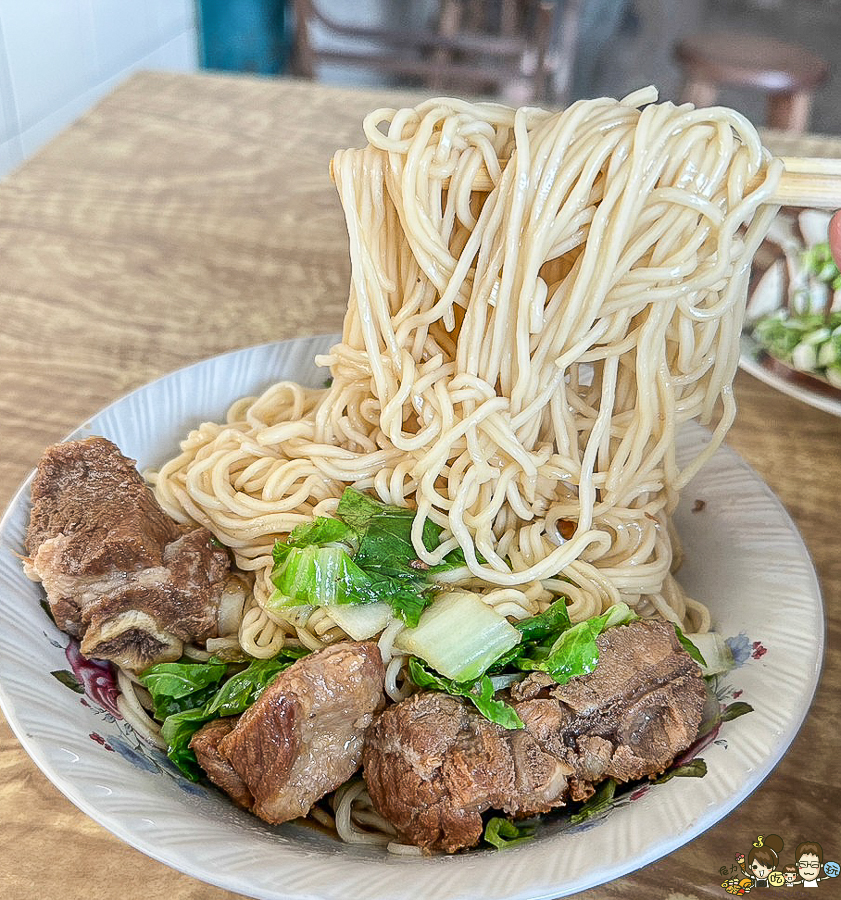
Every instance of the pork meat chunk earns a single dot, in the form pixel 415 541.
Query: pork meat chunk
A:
pixel 645 698
pixel 303 737
pixel 433 765
pixel 205 744
pixel 120 574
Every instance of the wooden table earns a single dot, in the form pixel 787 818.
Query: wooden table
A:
pixel 189 215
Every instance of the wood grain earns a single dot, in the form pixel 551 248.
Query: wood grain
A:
pixel 189 215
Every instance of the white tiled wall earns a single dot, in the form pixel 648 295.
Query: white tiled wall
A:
pixel 58 57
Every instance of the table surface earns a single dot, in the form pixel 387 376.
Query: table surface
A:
pixel 130 246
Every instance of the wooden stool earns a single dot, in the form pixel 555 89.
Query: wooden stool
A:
pixel 787 73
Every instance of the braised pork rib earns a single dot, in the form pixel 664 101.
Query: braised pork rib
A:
pixel 433 765
pixel 132 583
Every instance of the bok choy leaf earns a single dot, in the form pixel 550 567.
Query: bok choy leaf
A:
pixel 178 730
pixel 246 687
pixel 320 575
pixel 503 833
pixel 689 646
pixel 574 652
pixel 479 692
pixel 460 636
pixel 364 555
pixel 178 686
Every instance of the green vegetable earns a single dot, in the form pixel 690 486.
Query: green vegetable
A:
pixel 459 636
pixel 804 357
pixel 360 620
pixel 385 539
pixel 601 801
pixel 828 354
pixel 164 706
pixel 245 688
pixel 691 647
pixel 605 797
pixel 809 341
pixel 322 576
pixel 178 686
pixel 538 634
pixel 178 730
pixel 479 692
pixel 818 261
pixel 364 555
pixel 180 679
pixel 575 651
pixel 385 533
pixel 319 575
pixel 551 621
pixel 503 833
pixel 716 657
pixel 321 532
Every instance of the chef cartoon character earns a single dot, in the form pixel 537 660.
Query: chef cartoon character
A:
pixel 809 859
pixel 762 859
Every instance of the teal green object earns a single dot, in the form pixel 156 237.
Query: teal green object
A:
pixel 244 36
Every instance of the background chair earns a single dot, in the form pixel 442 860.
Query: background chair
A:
pixel 786 73
pixel 481 47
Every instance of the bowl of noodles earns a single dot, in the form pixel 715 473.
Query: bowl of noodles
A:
pixel 525 366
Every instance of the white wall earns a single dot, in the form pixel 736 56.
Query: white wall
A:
pixel 58 57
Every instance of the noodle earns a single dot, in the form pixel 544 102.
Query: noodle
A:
pixel 514 363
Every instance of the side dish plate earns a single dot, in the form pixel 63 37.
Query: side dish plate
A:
pixel 741 549
pixel 808 389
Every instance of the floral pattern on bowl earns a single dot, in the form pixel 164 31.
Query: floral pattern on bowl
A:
pixel 95 680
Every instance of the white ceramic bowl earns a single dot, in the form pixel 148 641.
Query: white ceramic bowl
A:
pixel 741 549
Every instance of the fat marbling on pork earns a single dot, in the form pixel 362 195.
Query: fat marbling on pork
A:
pixel 120 574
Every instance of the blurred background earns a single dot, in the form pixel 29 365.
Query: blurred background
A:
pixel 778 61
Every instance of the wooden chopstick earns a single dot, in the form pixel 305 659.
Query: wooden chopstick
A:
pixel 806 181
pixel 809 181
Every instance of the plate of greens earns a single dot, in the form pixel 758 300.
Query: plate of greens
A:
pixel 792 334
